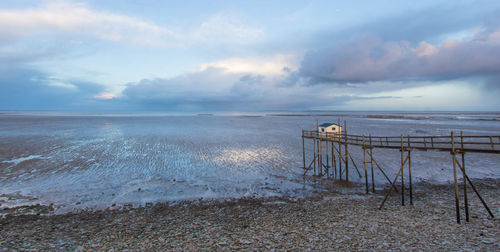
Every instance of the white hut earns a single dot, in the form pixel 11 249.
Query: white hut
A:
pixel 332 129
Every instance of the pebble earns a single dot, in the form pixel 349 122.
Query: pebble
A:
pixel 339 223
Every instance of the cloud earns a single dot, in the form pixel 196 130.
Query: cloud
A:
pixel 105 96
pixel 29 89
pixel 228 27
pixel 218 86
pixel 273 65
pixel 64 18
pixel 72 18
pixel 372 59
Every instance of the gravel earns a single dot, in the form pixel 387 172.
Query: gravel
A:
pixel 328 221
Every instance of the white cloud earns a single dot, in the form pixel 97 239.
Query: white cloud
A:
pixel 77 19
pixel 274 65
pixel 105 96
pixel 228 27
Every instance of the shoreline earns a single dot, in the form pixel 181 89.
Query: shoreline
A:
pixel 328 220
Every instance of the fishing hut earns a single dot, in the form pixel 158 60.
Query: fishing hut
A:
pixel 332 159
pixel 331 128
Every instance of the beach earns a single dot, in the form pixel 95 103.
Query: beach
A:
pixel 326 221
pixel 133 181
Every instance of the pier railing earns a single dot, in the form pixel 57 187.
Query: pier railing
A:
pixel 460 143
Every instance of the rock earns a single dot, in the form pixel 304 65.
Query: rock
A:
pixel 489 240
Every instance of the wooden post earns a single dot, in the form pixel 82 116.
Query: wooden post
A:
pixel 319 164
pixel 346 153
pixel 409 177
pixel 340 161
pixel 409 173
pixel 340 152
pixel 333 157
pixel 402 173
pixel 303 151
pixel 314 148
pixel 371 164
pixel 466 201
pixel 320 171
pixel 364 164
pixel 334 162
pixel 453 153
pixel 327 160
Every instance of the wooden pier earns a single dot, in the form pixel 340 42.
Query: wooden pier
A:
pixel 331 159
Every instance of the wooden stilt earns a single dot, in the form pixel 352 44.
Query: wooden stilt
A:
pixel 318 160
pixel 327 160
pixel 364 165
pixel 314 149
pixel 346 153
pixel 466 201
pixel 340 152
pixel 320 172
pixel 303 151
pixel 409 178
pixel 334 162
pixel 409 172
pixel 340 160
pixel 453 153
pixel 402 173
pixel 371 164
pixel 333 158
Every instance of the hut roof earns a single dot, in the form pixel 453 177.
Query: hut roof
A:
pixel 328 124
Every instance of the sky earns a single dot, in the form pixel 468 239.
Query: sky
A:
pixel 249 56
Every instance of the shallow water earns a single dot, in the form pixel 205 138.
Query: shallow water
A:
pixel 85 160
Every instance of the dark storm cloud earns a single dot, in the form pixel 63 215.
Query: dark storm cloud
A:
pixel 409 47
pixel 210 89
pixel 216 89
pixel 371 59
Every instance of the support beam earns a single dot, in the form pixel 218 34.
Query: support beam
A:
pixel 303 151
pixel 346 152
pixel 453 153
pixel 477 192
pixel 364 165
pixel 355 166
pixel 395 179
pixel 466 201
pixel 314 149
pixel 385 175
pixel 409 172
pixel 327 161
pixel 371 164
pixel 402 173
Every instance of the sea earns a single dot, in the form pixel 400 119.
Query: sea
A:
pixel 90 160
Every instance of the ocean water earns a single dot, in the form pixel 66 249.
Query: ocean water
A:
pixel 96 160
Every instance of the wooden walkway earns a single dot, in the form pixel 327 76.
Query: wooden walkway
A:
pixel 480 144
pixel 331 158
